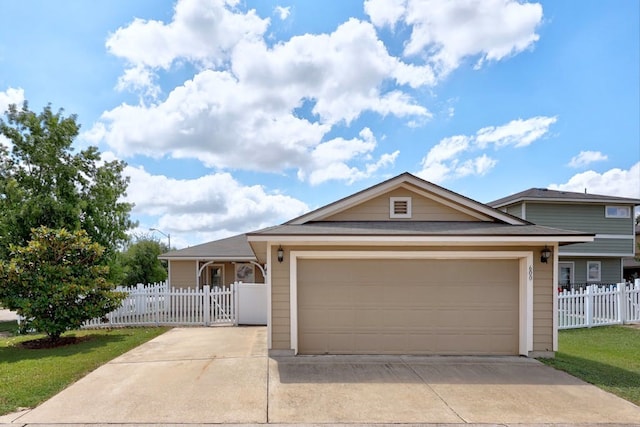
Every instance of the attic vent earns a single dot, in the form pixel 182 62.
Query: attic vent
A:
pixel 400 207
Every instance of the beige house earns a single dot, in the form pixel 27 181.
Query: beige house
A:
pixel 408 267
pixel 217 263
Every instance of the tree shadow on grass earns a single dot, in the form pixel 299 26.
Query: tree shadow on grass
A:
pixel 623 382
pixel 15 351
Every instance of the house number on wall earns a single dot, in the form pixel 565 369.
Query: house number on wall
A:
pixel 530 272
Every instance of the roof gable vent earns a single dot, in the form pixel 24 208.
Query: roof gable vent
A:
pixel 400 207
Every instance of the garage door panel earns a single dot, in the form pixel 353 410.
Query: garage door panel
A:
pixel 327 320
pixel 408 306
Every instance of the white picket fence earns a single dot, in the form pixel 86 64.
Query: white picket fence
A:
pixel 158 304
pixel 599 305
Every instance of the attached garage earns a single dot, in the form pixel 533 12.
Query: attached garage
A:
pixel 408 267
pixel 408 306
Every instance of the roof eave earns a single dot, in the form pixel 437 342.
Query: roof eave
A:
pixel 517 200
pixel 224 258
pixel 426 239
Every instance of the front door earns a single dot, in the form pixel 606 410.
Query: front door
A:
pixel 216 275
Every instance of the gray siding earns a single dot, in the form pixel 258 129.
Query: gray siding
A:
pixel 515 210
pixel 601 246
pixel 590 218
pixel 610 269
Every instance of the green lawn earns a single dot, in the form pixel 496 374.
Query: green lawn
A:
pixel 29 377
pixel 608 357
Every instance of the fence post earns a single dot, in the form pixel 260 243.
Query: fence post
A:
pixel 588 306
pixel 235 302
pixel 622 302
pixel 206 290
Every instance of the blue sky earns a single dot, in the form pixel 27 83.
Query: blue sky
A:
pixel 234 116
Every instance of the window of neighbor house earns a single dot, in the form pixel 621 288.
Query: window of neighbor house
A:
pixel 565 272
pixel 618 212
pixel 594 269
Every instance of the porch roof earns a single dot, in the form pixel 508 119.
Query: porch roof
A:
pixel 235 248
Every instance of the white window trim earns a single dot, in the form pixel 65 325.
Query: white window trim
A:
pixel 627 208
pixel 599 264
pixel 525 258
pixel 393 200
pixel 572 264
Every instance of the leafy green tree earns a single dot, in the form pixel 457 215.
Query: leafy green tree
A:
pixel 43 182
pixel 140 262
pixel 57 282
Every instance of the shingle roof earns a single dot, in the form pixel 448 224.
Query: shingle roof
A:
pixel 412 228
pixel 559 196
pixel 231 248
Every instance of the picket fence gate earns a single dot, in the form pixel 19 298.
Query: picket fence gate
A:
pixel 160 305
pixel 599 306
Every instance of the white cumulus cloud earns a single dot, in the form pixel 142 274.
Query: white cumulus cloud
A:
pixel 253 104
pixel 265 108
pixel 283 12
pixel 446 32
pixel 445 160
pixel 201 31
pixel 11 96
pixel 518 133
pixel 614 182
pixel 585 158
pixel 212 203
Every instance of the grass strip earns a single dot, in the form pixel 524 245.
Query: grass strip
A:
pixel 608 357
pixel 29 377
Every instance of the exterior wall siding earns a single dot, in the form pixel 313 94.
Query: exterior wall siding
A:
pixel 423 209
pixel 610 268
pixel 280 301
pixel 590 218
pixel 601 246
pixel 543 288
pixel 183 274
pixel 580 217
pixel 515 210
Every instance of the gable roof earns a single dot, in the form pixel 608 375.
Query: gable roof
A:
pixel 418 185
pixel 543 194
pixel 235 248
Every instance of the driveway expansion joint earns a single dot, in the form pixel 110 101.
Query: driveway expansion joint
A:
pixel 425 382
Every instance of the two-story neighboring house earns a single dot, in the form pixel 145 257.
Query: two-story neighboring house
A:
pixel 631 265
pixel 610 218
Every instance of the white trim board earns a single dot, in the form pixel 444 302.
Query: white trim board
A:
pixel 592 255
pixel 413 239
pixel 525 344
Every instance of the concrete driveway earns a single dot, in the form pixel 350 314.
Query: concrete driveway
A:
pixel 223 375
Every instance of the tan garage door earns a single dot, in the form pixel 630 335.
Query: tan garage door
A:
pixel 408 306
